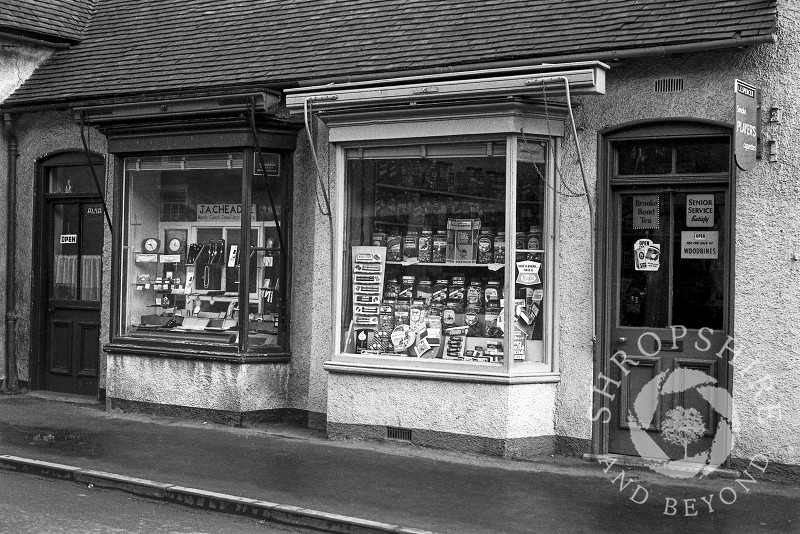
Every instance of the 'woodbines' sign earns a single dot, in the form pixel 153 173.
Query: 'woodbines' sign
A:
pixel 745 135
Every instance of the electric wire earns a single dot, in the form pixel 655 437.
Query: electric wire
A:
pixel 572 193
pixel 94 175
pixel 306 113
pixel 264 175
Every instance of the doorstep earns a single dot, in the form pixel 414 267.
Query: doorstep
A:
pixel 639 462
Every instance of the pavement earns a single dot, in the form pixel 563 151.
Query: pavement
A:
pixel 296 476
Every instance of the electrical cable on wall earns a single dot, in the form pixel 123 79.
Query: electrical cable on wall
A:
pixel 306 118
pixel 572 193
pixel 100 192
pixel 275 217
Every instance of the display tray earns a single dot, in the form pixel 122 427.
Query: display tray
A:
pixel 184 335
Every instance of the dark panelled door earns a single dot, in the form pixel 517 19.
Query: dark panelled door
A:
pixel 667 306
pixel 74 266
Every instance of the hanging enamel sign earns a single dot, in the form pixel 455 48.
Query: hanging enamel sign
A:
pixel 648 255
pixel 745 135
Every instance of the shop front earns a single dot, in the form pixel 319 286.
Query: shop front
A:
pixel 485 239
pixel 444 271
pixel 200 288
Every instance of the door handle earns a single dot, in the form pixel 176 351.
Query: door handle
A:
pixel 622 340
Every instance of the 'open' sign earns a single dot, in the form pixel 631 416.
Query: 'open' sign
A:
pixel 69 239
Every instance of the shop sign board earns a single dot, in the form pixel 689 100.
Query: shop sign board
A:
pixel 700 210
pixel 645 212
pixel 222 212
pixel 69 239
pixel 700 245
pixel 745 135
pixel 272 163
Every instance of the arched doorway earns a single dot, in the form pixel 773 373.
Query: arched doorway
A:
pixel 67 271
pixel 665 308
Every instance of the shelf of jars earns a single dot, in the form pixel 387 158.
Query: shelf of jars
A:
pixel 453 194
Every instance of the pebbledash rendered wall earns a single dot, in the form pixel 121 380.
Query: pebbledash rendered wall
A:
pixel 17 62
pixel 767 233
pixel 766 287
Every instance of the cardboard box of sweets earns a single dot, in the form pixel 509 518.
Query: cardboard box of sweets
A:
pixel 462 240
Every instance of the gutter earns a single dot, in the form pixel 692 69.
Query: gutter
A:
pixel 34 41
pixel 10 379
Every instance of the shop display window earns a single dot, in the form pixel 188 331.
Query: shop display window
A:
pixel 196 269
pixel 431 233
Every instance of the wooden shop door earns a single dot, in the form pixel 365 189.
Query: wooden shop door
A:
pixel 74 265
pixel 667 307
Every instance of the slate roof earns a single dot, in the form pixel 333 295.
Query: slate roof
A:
pixel 148 46
pixel 51 20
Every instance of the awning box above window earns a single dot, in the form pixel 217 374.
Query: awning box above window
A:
pixel 583 78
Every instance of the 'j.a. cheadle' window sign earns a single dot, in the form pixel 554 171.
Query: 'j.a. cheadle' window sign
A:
pixel 745 135
pixel 222 212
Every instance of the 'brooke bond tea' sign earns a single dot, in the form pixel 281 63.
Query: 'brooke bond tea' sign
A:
pixel 745 134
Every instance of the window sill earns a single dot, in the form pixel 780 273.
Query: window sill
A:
pixel 188 351
pixel 401 367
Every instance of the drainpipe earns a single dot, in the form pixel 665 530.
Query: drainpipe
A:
pixel 10 382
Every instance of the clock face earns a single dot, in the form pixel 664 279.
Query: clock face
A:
pixel 175 244
pixel 150 244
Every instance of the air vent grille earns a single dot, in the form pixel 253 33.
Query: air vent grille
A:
pixel 668 85
pixel 400 434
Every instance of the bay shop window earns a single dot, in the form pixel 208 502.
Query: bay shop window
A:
pixel 447 219
pixel 448 252
pixel 201 257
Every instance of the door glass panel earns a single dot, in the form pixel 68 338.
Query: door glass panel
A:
pixel 91 251
pixel 644 266
pixel 74 180
pixel 698 258
pixel 676 156
pixel 643 157
pixel 707 156
pixel 66 227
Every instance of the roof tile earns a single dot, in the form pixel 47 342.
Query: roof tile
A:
pixel 147 46
pixel 61 20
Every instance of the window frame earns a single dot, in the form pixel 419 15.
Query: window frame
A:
pixel 143 141
pixel 509 372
